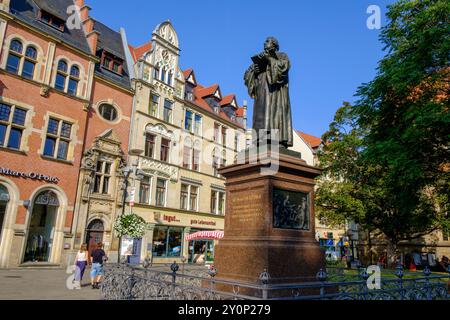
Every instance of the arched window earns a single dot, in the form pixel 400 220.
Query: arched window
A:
pixel 187 153
pixel 107 112
pixel 61 76
pixel 73 80
pixel 163 74
pixel 170 78
pixel 29 63
pixel 14 57
pixel 215 162
pixel 156 72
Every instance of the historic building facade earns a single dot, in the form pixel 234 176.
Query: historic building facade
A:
pixel 184 132
pixel 65 110
pixel 44 97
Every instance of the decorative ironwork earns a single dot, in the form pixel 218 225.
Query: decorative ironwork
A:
pixel 47 198
pixel 126 282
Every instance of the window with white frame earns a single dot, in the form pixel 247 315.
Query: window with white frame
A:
pixel 102 177
pixel 189 197
pixel 154 105
pixel 12 125
pixel 161 192
pixel 168 109
pixel 18 59
pixel 144 190
pixel 217 202
pixel 58 139
pixel 198 124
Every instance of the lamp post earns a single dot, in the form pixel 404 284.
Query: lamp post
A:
pixel 126 173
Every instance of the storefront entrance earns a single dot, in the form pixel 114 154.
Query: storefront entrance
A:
pixel 41 231
pixel 4 198
pixel 201 251
pixel 94 234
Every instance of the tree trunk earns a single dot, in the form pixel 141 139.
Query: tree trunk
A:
pixel 392 254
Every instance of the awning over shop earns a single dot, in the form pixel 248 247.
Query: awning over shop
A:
pixel 205 235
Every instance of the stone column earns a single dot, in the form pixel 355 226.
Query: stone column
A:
pixel 185 253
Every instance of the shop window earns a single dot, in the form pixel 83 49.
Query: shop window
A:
pixel 167 242
pixel 165 148
pixel 144 190
pixel 154 105
pixel 161 188
pixel 168 108
pixel 58 139
pixel 150 145
pixel 12 125
pixel 102 177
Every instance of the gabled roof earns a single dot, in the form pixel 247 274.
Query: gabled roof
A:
pixel 27 11
pixel 111 41
pixel 209 91
pixel 240 112
pixel 229 99
pixel 138 52
pixel 313 141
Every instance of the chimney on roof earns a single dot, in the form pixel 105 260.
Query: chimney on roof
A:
pixel 88 25
pixel 4 5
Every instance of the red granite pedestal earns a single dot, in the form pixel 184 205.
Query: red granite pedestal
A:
pixel 252 243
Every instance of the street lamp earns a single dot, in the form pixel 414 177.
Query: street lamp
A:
pixel 137 173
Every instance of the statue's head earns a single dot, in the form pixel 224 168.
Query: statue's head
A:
pixel 271 44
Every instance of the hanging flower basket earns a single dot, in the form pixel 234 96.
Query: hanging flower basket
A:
pixel 130 225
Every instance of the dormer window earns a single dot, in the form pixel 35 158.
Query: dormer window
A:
pixel 112 63
pixel 51 20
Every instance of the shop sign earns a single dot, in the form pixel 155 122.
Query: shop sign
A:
pixel 127 246
pixel 170 219
pixel 29 175
pixel 203 222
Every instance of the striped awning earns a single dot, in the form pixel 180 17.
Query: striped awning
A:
pixel 205 235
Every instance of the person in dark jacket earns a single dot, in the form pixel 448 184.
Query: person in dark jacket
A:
pixel 98 257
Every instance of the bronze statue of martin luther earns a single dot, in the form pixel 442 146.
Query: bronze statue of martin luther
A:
pixel 267 80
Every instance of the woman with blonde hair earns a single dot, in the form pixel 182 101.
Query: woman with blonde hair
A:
pixel 81 262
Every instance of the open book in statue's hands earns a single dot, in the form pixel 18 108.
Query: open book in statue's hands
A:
pixel 261 61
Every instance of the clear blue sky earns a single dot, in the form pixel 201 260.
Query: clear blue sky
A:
pixel 331 50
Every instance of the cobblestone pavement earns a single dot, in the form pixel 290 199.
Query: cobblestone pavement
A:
pixel 42 284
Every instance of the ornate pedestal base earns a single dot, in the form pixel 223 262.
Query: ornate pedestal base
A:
pixel 269 223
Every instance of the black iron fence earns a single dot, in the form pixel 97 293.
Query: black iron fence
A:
pixel 125 282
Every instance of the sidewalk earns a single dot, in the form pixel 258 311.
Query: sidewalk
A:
pixel 42 284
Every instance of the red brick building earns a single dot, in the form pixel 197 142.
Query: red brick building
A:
pixel 65 105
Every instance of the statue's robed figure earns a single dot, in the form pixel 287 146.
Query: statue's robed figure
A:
pixel 267 81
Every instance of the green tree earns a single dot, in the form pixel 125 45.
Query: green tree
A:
pixel 386 158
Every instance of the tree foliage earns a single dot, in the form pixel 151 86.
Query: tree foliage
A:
pixel 386 158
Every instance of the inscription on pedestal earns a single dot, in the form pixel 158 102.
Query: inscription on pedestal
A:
pixel 247 208
pixel 291 210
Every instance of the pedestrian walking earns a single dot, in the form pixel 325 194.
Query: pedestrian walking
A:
pixel 98 258
pixel 81 261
